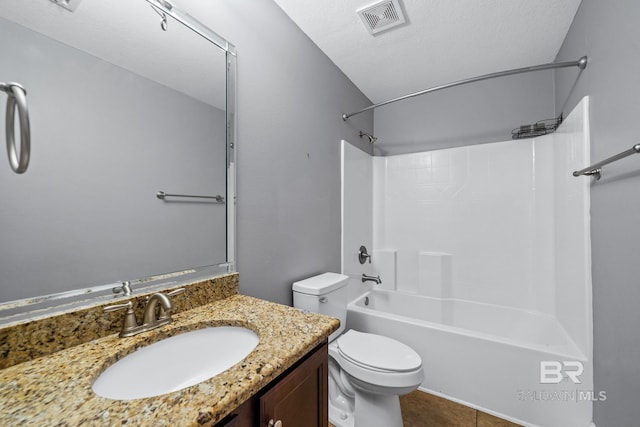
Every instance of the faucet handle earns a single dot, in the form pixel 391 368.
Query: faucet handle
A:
pixel 115 307
pixel 363 255
pixel 130 322
pixel 175 292
pixel 169 294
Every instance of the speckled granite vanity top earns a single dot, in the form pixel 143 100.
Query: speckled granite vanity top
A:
pixel 56 389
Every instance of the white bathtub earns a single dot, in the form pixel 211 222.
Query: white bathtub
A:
pixel 484 356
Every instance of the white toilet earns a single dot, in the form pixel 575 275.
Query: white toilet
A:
pixel 367 372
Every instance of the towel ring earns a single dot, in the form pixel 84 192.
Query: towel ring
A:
pixel 17 100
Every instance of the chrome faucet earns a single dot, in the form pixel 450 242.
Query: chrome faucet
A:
pixel 157 312
pixel 366 278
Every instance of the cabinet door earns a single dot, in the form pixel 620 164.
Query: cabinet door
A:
pixel 300 399
pixel 243 416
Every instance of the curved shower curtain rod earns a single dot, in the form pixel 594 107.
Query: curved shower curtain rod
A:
pixel 580 63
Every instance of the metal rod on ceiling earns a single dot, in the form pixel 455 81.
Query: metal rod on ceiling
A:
pixel 580 63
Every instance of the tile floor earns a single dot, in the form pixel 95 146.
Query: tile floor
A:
pixel 421 409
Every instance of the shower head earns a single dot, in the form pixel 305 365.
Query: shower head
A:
pixel 371 138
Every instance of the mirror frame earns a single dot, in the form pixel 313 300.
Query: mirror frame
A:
pixel 20 311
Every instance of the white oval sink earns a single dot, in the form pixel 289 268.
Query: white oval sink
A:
pixel 176 363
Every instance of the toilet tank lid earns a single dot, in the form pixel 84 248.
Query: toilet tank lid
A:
pixel 321 284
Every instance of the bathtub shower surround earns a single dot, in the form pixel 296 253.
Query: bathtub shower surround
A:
pixel 489 250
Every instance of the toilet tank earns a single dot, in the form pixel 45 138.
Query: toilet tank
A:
pixel 324 294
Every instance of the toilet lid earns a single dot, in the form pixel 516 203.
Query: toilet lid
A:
pixel 378 352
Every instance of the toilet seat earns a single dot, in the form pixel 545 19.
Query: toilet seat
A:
pixel 377 367
pixel 377 352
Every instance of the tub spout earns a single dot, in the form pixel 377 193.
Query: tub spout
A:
pixel 366 278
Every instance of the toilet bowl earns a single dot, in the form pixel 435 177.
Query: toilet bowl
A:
pixel 367 372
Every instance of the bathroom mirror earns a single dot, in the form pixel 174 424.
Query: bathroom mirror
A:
pixel 126 99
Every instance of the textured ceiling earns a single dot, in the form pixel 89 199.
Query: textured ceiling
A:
pixel 442 41
pixel 127 33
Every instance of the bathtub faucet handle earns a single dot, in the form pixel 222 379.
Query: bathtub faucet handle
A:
pixel 363 255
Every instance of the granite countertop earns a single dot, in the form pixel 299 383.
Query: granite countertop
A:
pixel 55 390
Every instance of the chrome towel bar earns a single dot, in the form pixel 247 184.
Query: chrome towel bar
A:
pixel 17 100
pixel 162 195
pixel 596 168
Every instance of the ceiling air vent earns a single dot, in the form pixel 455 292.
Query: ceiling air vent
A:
pixel 381 16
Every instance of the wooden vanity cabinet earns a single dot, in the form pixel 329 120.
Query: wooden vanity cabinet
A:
pixel 301 397
pixel 297 398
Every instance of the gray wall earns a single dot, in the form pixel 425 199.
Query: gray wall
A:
pixel 85 213
pixel 608 32
pixel 290 99
pixel 471 114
